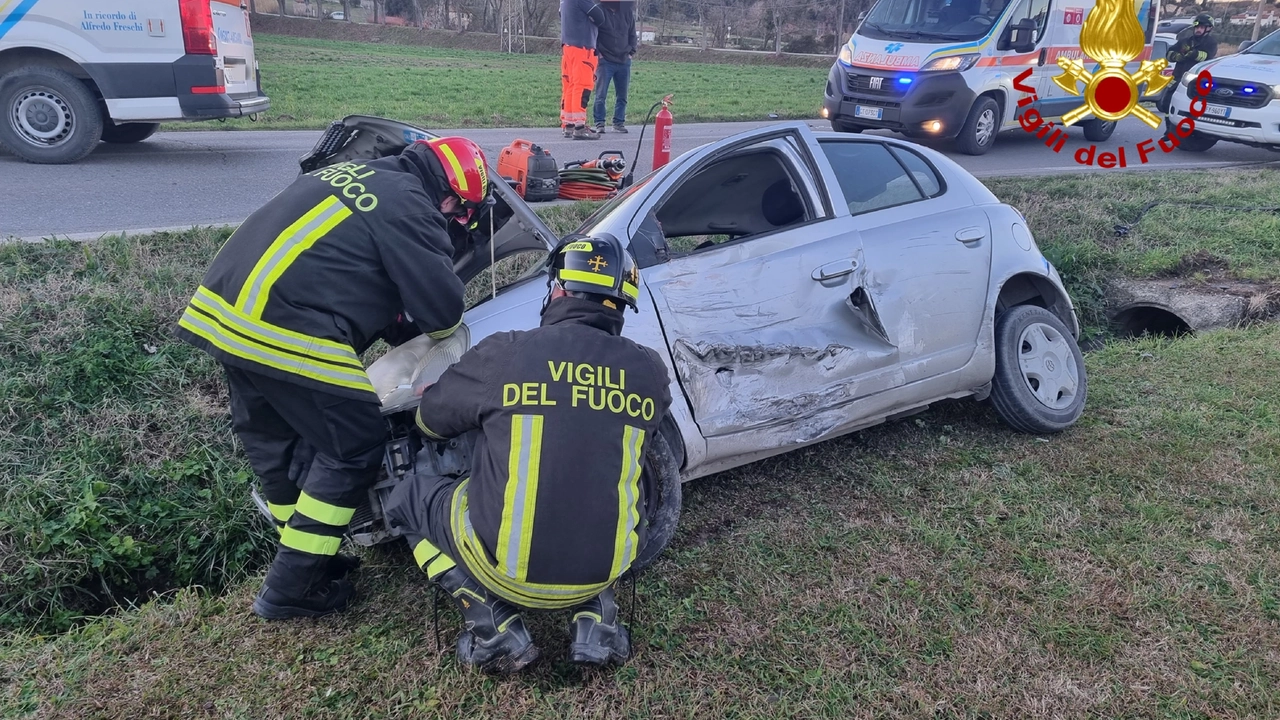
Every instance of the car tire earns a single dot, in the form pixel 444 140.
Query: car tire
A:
pixel 1099 130
pixel 126 133
pixel 1036 355
pixel 665 499
pixel 49 117
pixel 844 127
pixel 981 127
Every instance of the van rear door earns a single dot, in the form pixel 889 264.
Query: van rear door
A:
pixel 235 46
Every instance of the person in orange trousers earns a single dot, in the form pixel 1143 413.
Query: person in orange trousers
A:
pixel 580 21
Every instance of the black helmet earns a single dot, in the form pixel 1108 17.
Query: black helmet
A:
pixel 597 266
pixel 1204 19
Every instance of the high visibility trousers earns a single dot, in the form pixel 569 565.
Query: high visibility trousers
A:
pixel 577 78
pixel 316 455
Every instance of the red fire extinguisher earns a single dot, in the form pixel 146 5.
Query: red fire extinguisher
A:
pixel 662 135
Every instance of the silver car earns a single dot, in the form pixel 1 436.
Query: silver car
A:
pixel 800 285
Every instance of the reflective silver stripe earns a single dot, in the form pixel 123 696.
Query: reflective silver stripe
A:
pixel 228 342
pixel 282 246
pixel 523 432
pixel 632 439
pixel 208 301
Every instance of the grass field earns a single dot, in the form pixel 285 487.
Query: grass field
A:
pixel 938 566
pixel 312 82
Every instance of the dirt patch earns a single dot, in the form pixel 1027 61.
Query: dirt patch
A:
pixel 1199 262
pixel 397 35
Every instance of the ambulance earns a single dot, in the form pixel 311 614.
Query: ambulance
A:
pixel 77 72
pixel 946 68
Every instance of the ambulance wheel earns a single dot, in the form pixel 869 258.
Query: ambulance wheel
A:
pixel 661 478
pixel 980 128
pixel 125 133
pixel 1099 130
pixel 844 127
pixel 49 118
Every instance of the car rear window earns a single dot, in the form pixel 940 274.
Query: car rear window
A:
pixel 873 178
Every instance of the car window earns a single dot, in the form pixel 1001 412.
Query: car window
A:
pixel 1037 10
pixel 753 191
pixel 872 178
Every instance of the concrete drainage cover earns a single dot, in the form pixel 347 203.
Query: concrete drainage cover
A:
pixel 1201 306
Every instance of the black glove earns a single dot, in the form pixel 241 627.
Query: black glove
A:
pixel 401 331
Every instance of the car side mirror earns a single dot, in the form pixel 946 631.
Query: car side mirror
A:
pixel 1021 36
pixel 1244 46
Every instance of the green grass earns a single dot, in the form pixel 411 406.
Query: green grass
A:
pixel 313 82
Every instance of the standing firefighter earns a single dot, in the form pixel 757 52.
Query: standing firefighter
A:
pixel 552 514
pixel 1194 47
pixel 580 21
pixel 342 257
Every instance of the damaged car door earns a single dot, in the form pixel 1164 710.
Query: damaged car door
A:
pixel 927 249
pixel 760 300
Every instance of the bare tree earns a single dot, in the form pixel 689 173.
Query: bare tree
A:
pixel 346 10
pixel 281 3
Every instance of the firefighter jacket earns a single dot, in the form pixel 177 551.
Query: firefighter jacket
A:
pixel 318 274
pixel 1190 50
pixel 554 509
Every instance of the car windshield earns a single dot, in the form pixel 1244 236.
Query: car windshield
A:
pixel 1269 45
pixel 932 19
pixel 603 211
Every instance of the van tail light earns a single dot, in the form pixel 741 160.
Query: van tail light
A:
pixel 197 27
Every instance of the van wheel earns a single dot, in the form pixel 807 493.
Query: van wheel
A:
pixel 128 132
pixel 1099 130
pixel 844 127
pixel 980 128
pixel 50 117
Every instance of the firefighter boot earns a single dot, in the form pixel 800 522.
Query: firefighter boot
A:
pixel 299 585
pixel 495 639
pixel 598 636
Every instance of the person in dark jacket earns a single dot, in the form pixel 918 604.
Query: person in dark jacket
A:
pixel 1194 46
pixel 552 513
pixel 342 257
pixel 615 47
pixel 580 22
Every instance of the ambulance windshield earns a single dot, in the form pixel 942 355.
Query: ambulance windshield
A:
pixel 932 20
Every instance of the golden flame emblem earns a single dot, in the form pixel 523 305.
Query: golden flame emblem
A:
pixel 1112 37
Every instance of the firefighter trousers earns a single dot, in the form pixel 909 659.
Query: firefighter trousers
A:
pixel 316 455
pixel 577 79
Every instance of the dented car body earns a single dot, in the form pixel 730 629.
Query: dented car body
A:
pixel 802 285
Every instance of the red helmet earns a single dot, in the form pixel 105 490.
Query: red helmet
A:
pixel 464 166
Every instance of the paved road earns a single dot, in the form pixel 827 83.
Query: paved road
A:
pixel 180 179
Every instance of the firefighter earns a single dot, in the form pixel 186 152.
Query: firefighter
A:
pixel 552 513
pixel 342 257
pixel 1195 47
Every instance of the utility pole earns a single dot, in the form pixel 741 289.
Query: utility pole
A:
pixel 840 26
pixel 1257 22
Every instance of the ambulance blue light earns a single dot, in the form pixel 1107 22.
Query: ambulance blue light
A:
pixel 904 81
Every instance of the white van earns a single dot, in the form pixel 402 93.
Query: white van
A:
pixel 945 68
pixel 74 73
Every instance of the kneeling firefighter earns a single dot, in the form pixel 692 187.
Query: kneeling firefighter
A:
pixel 342 257
pixel 552 513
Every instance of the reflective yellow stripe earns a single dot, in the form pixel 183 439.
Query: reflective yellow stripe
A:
pixel 324 512
pixel 219 336
pixel 515 534
pixel 442 334
pixel 423 426
pixel 453 162
pixel 442 564
pixel 624 547
pixel 424 552
pixel 543 596
pixel 290 243
pixel 630 290
pixel 309 542
pixel 281 512
pixel 264 332
pixel 587 277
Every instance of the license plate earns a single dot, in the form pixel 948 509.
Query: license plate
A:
pixel 1218 111
pixel 871 113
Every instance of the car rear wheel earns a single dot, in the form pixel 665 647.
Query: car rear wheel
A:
pixel 125 133
pixel 1039 385
pixel 980 128
pixel 50 117
pixel 664 501
pixel 1099 130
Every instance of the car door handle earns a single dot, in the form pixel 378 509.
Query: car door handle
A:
pixel 970 235
pixel 836 269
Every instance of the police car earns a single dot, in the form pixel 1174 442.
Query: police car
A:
pixel 76 73
pixel 1244 104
